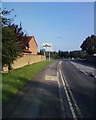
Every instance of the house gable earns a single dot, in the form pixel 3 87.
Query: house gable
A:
pixel 33 45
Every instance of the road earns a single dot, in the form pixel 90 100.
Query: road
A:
pixel 59 91
pixel 80 90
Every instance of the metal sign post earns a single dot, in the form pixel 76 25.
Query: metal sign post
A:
pixel 49 55
pixel 47 47
pixel 44 55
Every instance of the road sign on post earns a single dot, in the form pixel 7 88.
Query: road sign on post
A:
pixel 49 55
pixel 44 55
pixel 47 47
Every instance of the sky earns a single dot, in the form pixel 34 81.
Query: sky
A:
pixel 65 25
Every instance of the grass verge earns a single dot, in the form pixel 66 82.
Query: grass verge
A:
pixel 12 82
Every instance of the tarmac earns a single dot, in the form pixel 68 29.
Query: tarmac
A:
pixel 39 98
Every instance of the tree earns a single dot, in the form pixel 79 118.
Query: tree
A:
pixel 5 21
pixel 17 28
pixel 54 55
pixel 82 55
pixel 10 47
pixel 63 54
pixel 13 40
pixel 42 52
pixel 60 54
pixel 66 54
pixel 89 45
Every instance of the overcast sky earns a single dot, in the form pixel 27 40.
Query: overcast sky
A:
pixel 65 25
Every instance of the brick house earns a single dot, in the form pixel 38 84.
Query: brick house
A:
pixel 32 45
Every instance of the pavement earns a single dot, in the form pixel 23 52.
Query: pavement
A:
pixel 40 100
pixel 61 90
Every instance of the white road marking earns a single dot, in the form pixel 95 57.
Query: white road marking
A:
pixel 52 78
pixel 79 68
pixel 60 62
pixel 83 71
pixel 58 79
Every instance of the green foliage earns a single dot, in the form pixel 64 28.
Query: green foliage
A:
pixel 41 52
pixel 63 54
pixel 13 39
pixel 66 54
pixel 10 46
pixel 54 55
pixel 5 20
pixel 22 39
pixel 47 54
pixel 89 45
pixel 77 54
pixel 12 82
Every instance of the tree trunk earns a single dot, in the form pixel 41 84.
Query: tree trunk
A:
pixel 9 68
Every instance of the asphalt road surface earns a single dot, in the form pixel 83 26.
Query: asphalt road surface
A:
pixel 40 100
pixel 59 91
pixel 78 95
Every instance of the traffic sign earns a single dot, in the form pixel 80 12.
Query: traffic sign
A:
pixel 47 46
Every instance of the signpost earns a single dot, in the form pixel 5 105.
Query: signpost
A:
pixel 47 47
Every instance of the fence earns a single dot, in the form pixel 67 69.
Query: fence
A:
pixel 25 60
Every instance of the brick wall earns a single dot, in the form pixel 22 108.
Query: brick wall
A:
pixel 25 60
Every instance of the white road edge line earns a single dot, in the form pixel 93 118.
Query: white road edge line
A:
pixel 83 71
pixel 79 68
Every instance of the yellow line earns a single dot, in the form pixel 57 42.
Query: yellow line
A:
pixel 76 106
pixel 68 98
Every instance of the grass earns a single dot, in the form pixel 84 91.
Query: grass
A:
pixel 12 82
